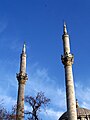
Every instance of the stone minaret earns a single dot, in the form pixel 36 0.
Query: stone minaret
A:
pixel 22 78
pixel 67 60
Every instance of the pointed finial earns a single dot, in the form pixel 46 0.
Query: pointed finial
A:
pixel 65 28
pixel 24 48
pixel 77 105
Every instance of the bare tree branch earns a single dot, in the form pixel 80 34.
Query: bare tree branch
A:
pixel 36 103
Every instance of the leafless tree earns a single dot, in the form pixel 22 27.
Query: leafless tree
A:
pixel 3 111
pixel 7 115
pixel 36 103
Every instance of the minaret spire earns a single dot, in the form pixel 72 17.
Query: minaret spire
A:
pixel 66 42
pixel 22 78
pixel 67 60
pixel 24 48
pixel 64 28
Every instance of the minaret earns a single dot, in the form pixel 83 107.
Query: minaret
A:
pixel 67 60
pixel 22 78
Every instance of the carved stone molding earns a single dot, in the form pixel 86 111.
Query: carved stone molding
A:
pixel 67 59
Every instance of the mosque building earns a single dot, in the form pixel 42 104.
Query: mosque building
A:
pixel 74 112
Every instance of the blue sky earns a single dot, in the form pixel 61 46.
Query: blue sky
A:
pixel 40 24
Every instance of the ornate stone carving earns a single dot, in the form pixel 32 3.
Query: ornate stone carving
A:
pixel 22 78
pixel 67 59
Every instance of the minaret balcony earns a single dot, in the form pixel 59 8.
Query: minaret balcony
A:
pixel 67 59
pixel 21 76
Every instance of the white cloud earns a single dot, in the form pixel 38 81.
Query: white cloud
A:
pixel 40 80
pixel 7 101
pixel 83 95
pixel 53 114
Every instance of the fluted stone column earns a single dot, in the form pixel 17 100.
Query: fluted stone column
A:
pixel 21 77
pixel 67 60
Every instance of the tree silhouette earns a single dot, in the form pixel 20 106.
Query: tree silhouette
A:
pixel 36 103
pixel 33 102
pixel 3 111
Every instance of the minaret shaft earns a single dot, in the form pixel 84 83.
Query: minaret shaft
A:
pixel 21 77
pixel 67 60
pixel 23 63
pixel 70 94
pixel 66 44
pixel 20 102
